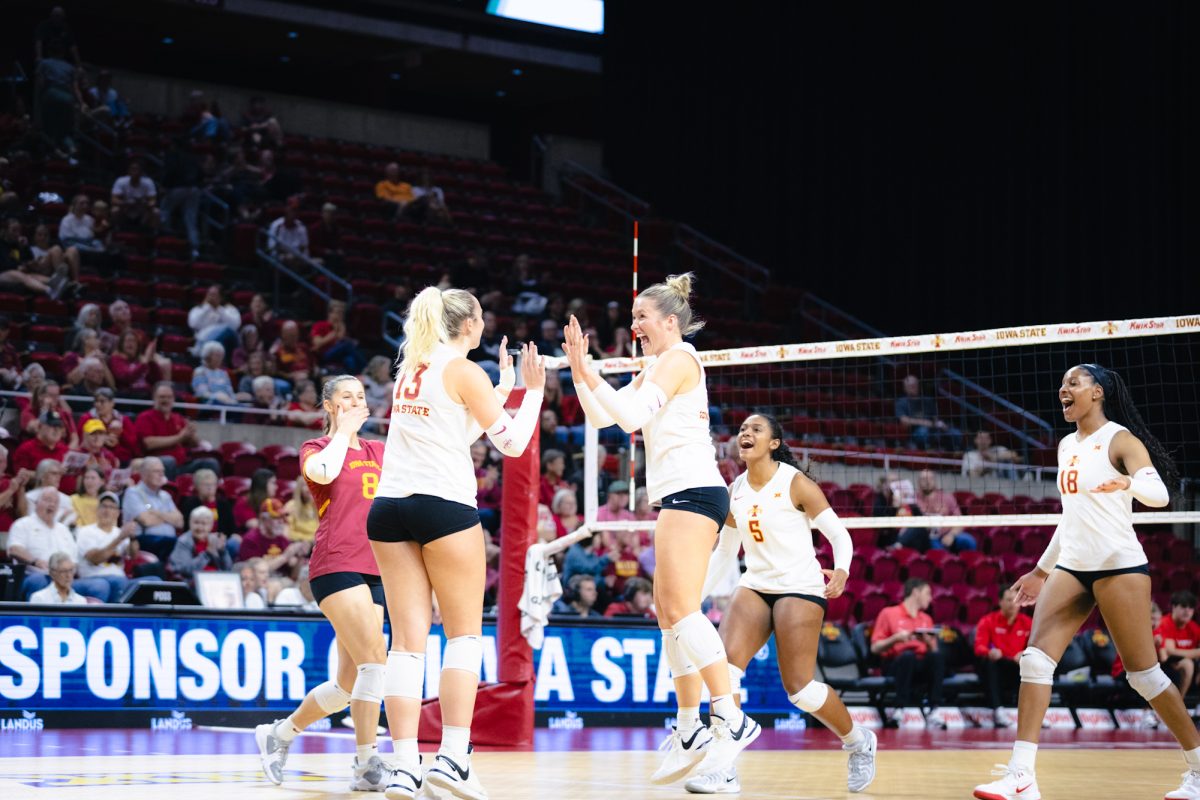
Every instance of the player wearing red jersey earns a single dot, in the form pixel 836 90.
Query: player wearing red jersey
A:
pixel 342 472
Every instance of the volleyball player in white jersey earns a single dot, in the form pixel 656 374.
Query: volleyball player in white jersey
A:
pixel 668 402
pixel 1095 559
pixel 424 524
pixel 772 508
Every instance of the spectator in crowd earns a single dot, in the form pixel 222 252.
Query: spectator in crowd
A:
pixel 10 359
pixel 214 320
pixel 1181 640
pixel 565 508
pixel 136 368
pixel 201 548
pixel 325 238
pixel 989 459
pixel 550 433
pixel 1000 638
pixel 275 183
pixel 254 582
pixel 549 342
pixel 623 562
pixel 305 410
pixel 622 344
pixel 182 192
pixel 86 319
pixel 61 590
pixel 904 637
pixel 135 198
pixel 153 509
pixel 636 601
pixel 78 228
pixel 487 355
pixel 262 316
pixel 105 95
pixel 301 513
pixel 725 462
pixel 428 205
pixel 34 538
pixel 263 397
pixel 166 435
pixel 332 345
pixel 102 214
pixel 47 396
pixel 263 486
pixel 86 367
pixel 103 546
pixel 206 492
pixel 377 385
pixel 521 277
pixel 611 322
pixel 122 320
pixel 57 86
pixel 87 496
pixel 93 449
pixel 48 479
pixel 288 237
pixel 260 127
pixel 120 433
pixel 397 305
pixel 292 360
pixel 935 502
pixel 487 483
pixel 615 509
pixel 269 541
pixel 19 268
pixel 299 596
pixel 12 492
pixel 584 558
pixel 579 599
pixel 210 381
pixel 554 465
pixel 211 124
pixel 50 257
pixel 919 414
pixel 47 443
pixel 33 377
pixel 395 193
pixel 249 342
pixel 642 510
pixel 53 33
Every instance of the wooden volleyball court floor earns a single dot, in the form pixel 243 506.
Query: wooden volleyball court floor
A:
pixel 222 764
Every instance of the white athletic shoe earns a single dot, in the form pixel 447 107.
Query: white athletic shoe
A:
pixel 724 782
pixel 1188 790
pixel 683 754
pixel 454 777
pixel 728 742
pixel 272 750
pixel 373 776
pixel 407 782
pixel 1013 783
pixel 861 769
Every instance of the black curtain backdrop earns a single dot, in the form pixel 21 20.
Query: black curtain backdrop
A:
pixel 925 165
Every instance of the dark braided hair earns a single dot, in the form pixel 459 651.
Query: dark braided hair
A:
pixel 1119 407
pixel 783 453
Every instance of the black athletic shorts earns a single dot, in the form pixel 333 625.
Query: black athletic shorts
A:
pixel 1088 578
pixel 707 501
pixel 772 599
pixel 334 582
pixel 420 518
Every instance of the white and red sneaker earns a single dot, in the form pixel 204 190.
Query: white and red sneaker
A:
pixel 1012 783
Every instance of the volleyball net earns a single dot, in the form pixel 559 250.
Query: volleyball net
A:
pixel 883 424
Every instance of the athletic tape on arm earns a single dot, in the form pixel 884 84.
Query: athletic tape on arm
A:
pixel 631 413
pixel 722 559
pixel 325 466
pixel 510 435
pixel 839 538
pixel 1148 488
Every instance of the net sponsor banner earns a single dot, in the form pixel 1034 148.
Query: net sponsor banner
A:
pixel 179 667
pixel 924 343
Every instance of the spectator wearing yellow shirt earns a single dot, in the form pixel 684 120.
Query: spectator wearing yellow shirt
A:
pixel 301 514
pixel 394 191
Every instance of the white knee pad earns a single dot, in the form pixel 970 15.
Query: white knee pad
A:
pixel 735 680
pixel 811 697
pixel 330 697
pixel 680 664
pixel 1149 683
pixel 1037 667
pixel 405 675
pixel 368 686
pixel 465 653
pixel 699 640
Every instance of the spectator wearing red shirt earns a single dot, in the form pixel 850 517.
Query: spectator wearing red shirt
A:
pixel 904 637
pixel 47 443
pixel 332 344
pixel 48 397
pixel 165 434
pixel 292 360
pixel 637 601
pixel 487 483
pixel 270 542
pixel 1181 639
pixel 12 492
pixel 120 434
pixel 95 437
pixel 554 464
pixel 1000 637
pixel 305 411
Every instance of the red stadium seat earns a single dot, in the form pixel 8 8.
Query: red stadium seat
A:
pixel 998 540
pixel 953 570
pixel 985 573
pixel 272 452
pixel 871 604
pixel 287 467
pixel 977 607
pixel 174 344
pixel 184 483
pixel 840 608
pixel 246 463
pixel 945 609
pixel 884 567
pixel 235 485
pixel 920 567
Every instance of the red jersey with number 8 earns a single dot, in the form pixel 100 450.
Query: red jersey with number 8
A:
pixel 342 507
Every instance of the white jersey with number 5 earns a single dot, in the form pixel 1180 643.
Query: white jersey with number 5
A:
pixel 1096 531
pixel 679 448
pixel 427 449
pixel 777 537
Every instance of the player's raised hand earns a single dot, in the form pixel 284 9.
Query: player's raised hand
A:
pixel 505 360
pixel 349 420
pixel 532 368
pixel 575 346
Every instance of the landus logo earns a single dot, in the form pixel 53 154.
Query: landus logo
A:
pixel 568 722
pixel 792 722
pixel 176 722
pixel 28 721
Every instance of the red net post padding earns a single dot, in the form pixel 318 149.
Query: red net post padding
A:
pixel 504 710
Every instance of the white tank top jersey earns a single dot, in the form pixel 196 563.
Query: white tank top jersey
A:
pixel 1096 531
pixel 427 450
pixel 679 449
pixel 776 536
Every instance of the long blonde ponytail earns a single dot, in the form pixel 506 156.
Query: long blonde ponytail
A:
pixel 434 316
pixel 673 297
